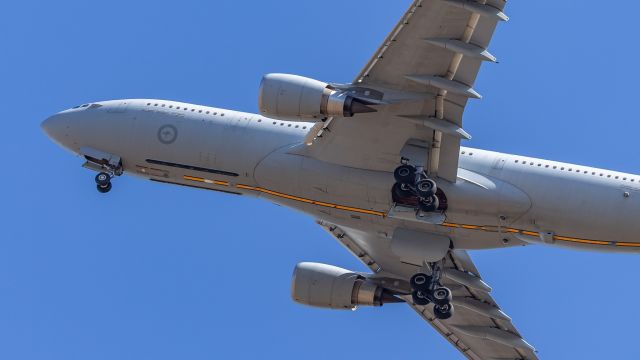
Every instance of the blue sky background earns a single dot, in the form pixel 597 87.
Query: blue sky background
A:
pixel 159 272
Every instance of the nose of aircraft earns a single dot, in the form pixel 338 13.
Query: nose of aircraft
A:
pixel 56 128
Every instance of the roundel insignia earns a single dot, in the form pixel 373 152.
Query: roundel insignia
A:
pixel 167 134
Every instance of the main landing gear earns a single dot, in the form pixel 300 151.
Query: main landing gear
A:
pixel 414 187
pixel 427 289
pixel 103 182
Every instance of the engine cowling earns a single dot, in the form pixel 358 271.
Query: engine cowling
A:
pixel 328 286
pixel 296 98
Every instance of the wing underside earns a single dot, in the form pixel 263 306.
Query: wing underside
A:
pixel 426 69
pixel 480 330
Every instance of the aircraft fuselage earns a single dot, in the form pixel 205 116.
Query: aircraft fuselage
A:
pixel 499 200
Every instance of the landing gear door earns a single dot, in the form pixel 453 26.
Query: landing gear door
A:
pixel 416 153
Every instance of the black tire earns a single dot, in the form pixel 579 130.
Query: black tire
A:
pixel 420 282
pixel 441 296
pixel 443 312
pixel 429 204
pixel 104 189
pixel 405 174
pixel 402 191
pixel 419 298
pixel 426 188
pixel 103 179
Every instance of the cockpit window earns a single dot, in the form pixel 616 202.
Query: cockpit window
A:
pixel 90 106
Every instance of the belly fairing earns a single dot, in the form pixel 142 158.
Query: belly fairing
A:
pixel 482 198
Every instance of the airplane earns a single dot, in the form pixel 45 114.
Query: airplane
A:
pixel 379 163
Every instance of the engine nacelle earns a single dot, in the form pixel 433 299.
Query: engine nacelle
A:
pixel 331 287
pixel 296 98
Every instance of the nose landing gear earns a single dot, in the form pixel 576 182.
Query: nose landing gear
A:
pixel 103 182
pixel 427 289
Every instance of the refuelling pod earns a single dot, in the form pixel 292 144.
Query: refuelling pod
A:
pixel 331 287
pixel 297 98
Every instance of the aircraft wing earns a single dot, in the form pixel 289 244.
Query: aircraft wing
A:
pixel 479 329
pixel 426 69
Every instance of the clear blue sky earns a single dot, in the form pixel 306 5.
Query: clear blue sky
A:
pixel 159 272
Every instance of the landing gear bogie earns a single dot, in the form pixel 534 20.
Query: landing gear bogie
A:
pixel 427 289
pixel 103 182
pixel 413 188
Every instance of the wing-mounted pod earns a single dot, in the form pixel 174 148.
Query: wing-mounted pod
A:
pixel 331 287
pixel 297 98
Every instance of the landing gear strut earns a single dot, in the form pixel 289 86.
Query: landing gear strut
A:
pixel 103 182
pixel 413 183
pixel 427 289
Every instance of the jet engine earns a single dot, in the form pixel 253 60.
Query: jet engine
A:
pixel 327 286
pixel 296 98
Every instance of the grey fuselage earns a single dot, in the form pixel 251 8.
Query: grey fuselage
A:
pixel 499 199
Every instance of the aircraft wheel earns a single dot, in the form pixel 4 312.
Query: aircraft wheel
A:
pixel 426 188
pixel 103 179
pixel 104 189
pixel 402 191
pixel 419 298
pixel 405 174
pixel 420 282
pixel 441 296
pixel 429 204
pixel 443 312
